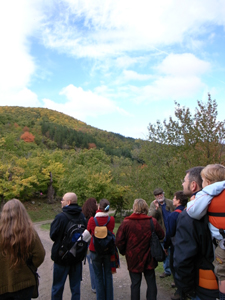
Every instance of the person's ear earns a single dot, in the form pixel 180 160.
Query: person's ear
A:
pixel 208 182
pixel 194 186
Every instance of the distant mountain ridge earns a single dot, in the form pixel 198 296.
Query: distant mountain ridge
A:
pixel 52 129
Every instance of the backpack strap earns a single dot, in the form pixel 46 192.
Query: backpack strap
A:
pixel 152 225
pixel 96 221
pixel 178 210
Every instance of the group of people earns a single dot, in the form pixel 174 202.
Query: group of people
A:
pixel 195 236
pixel 192 237
pixel 99 265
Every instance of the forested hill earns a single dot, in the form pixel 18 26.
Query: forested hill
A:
pixel 50 129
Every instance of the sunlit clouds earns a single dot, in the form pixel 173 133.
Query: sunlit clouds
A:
pixel 116 65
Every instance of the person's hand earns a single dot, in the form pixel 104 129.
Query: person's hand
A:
pixel 156 203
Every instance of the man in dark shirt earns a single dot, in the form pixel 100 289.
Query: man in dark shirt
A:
pixel 61 269
pixel 193 249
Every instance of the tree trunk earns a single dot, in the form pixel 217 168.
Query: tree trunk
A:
pixel 51 191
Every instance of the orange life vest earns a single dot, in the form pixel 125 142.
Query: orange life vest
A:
pixel 207 280
pixel 216 211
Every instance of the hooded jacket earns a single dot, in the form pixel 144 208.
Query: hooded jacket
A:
pixel 198 207
pixel 133 241
pixel 58 227
pixel 193 257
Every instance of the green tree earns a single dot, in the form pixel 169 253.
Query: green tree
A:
pixel 184 142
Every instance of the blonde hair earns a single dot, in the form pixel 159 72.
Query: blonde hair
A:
pixel 16 232
pixel 214 173
pixel 140 206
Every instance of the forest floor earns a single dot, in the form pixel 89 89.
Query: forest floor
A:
pixel 121 280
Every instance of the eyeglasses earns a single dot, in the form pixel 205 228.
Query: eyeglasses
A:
pixel 159 194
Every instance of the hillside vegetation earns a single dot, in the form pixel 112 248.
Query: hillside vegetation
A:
pixel 45 153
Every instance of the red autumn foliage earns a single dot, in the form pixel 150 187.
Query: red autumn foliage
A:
pixel 25 128
pixel 27 137
pixel 16 125
pixel 91 145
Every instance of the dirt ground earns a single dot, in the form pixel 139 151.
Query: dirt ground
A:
pixel 121 280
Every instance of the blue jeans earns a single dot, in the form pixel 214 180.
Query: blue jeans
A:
pixel 196 298
pixel 166 263
pixel 151 293
pixel 60 273
pixel 92 274
pixel 103 276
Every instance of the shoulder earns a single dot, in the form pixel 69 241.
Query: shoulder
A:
pixel 168 201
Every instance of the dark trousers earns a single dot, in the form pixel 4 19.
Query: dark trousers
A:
pixel 171 260
pixel 151 293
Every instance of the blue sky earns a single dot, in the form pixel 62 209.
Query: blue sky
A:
pixel 116 65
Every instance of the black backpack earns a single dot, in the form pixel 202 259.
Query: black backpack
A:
pixel 105 241
pixel 73 248
pixel 157 251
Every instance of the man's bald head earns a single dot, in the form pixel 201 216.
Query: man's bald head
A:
pixel 70 197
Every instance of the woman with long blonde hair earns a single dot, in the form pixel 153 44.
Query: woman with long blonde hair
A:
pixel 19 243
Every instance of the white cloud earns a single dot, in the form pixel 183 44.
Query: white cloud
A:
pixel 82 104
pixel 115 27
pixel 184 65
pixel 132 75
pixel 18 20
pixel 19 97
pixel 179 76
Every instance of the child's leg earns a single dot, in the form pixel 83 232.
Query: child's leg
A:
pixel 219 269
pixel 222 286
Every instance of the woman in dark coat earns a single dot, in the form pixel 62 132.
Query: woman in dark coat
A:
pixel 133 241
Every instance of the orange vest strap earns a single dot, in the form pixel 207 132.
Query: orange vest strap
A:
pixel 207 280
pixel 216 211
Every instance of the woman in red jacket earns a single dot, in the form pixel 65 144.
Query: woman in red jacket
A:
pixel 133 241
pixel 102 263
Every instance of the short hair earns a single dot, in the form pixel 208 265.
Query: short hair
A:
pixel 214 172
pixel 89 208
pixel 72 197
pixel 103 204
pixel 140 206
pixel 194 174
pixel 180 196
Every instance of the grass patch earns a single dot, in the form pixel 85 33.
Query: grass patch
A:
pixel 46 226
pixel 40 210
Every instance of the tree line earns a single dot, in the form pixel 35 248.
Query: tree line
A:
pixel 27 165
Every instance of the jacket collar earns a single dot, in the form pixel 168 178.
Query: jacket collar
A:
pixel 138 216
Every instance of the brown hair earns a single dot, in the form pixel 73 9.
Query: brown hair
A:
pixel 103 204
pixel 17 232
pixel 180 196
pixel 194 174
pixel 89 208
pixel 140 206
pixel 214 173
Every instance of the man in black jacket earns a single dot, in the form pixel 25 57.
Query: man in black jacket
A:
pixel 61 269
pixel 193 249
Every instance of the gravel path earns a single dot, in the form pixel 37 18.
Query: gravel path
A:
pixel 121 280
